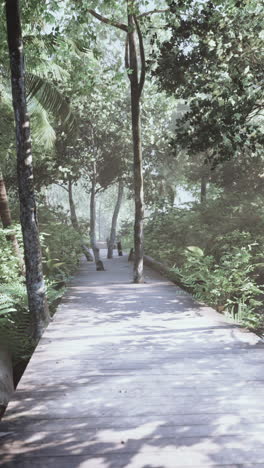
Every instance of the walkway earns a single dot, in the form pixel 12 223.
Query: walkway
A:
pixel 137 376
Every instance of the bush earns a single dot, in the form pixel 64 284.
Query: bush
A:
pixel 225 267
pixel 61 244
pixel 228 285
pixel 9 264
pixel 61 247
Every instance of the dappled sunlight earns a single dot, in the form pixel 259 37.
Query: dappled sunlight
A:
pixel 137 377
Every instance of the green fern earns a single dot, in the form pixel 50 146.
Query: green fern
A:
pixel 15 320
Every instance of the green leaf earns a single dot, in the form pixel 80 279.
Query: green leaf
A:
pixel 195 251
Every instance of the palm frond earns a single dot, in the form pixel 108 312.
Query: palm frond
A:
pixel 52 100
pixel 48 39
pixel 51 70
pixel 42 130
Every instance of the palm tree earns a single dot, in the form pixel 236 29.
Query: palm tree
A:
pixel 49 98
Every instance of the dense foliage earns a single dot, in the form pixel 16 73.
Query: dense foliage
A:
pixel 212 60
pixel 216 250
pixel 59 263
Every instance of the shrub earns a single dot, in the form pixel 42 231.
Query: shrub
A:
pixel 226 285
pixel 225 267
pixel 61 247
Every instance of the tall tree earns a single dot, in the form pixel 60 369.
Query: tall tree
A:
pixel 28 215
pixel 133 32
pixel 136 69
pixel 136 88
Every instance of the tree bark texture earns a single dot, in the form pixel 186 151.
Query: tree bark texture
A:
pixel 114 219
pixel 28 216
pixel 136 87
pixel 5 213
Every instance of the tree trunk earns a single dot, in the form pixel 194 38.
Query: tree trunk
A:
pixel 4 205
pixel 74 219
pixel 95 249
pixel 6 379
pixel 93 219
pixel 120 249
pixel 203 189
pixel 138 184
pixel 34 275
pixel 136 89
pixel 5 216
pixel 114 219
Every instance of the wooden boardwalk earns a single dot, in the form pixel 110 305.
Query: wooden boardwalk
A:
pixel 137 376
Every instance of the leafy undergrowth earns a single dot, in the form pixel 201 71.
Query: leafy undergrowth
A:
pixel 216 255
pixel 61 248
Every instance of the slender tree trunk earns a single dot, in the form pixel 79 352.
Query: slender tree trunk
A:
pixel 34 275
pixel 6 379
pixel 138 184
pixel 5 213
pixel 5 216
pixel 99 221
pixel 74 219
pixel 203 189
pixel 93 219
pixel 114 219
pixel 136 90
pixel 95 249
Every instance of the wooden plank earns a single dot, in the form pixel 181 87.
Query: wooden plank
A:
pixel 51 424
pixel 104 442
pixel 57 428
pixel 113 461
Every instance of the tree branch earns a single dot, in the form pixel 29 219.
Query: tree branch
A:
pixel 114 23
pixel 127 65
pixel 142 58
pixel 62 186
pixel 152 12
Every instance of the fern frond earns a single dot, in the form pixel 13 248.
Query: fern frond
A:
pixel 15 320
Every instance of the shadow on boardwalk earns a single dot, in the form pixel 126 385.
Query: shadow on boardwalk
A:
pixel 137 377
